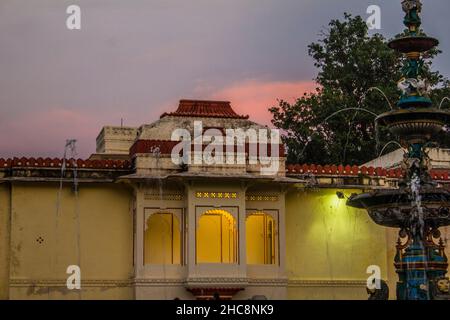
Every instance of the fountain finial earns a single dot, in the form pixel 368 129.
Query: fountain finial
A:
pixel 414 85
pixel 412 20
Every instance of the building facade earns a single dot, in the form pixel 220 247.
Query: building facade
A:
pixel 141 226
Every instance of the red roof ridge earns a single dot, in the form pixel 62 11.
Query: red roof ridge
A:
pixel 437 174
pixel 343 170
pixel 320 170
pixel 205 109
pixel 57 163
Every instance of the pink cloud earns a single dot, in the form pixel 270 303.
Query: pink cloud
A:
pixel 44 134
pixel 255 97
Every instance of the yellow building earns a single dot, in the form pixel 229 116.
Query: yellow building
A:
pixel 140 226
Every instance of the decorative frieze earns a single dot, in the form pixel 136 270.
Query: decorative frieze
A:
pixel 164 196
pixel 216 195
pixel 261 197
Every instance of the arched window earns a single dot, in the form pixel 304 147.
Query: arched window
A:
pixel 260 239
pixel 162 239
pixel 216 237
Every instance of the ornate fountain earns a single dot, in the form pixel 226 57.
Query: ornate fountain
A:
pixel 419 207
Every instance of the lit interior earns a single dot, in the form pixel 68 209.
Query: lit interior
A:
pixel 216 238
pixel 162 241
pixel 261 240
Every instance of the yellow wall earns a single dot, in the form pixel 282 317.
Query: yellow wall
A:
pixel 326 240
pixel 4 240
pixel 328 245
pixel 105 238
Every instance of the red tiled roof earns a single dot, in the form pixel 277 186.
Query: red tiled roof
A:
pixel 57 163
pixel 166 146
pixel 291 169
pixel 333 170
pixel 205 109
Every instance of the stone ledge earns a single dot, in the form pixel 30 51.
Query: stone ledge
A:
pixel 327 283
pixel 62 283
pixel 184 282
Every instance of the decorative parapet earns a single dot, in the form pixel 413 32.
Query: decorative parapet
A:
pixel 355 171
pixel 42 170
pixel 58 162
pixel 322 174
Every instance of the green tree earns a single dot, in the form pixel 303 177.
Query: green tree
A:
pixel 349 63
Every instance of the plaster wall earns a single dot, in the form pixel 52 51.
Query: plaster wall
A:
pixel 44 242
pixel 329 246
pixel 5 219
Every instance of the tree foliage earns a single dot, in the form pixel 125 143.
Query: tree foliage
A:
pixel 349 63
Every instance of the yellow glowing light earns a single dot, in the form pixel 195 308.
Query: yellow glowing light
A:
pixel 162 239
pixel 260 238
pixel 216 240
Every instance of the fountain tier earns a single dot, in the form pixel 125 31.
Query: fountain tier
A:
pixel 418 207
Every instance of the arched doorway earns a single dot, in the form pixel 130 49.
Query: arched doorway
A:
pixel 162 239
pixel 216 240
pixel 261 238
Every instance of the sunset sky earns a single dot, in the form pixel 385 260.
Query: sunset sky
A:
pixel 134 59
